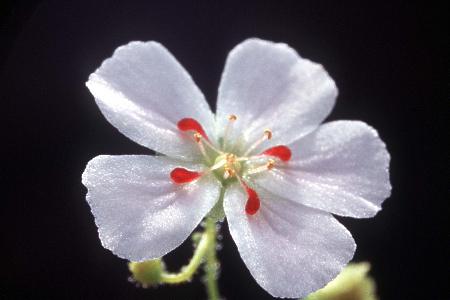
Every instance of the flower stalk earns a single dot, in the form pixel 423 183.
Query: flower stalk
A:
pixel 188 271
pixel 211 265
pixel 205 252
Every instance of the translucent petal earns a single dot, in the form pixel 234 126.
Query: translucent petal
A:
pixel 291 250
pixel 143 91
pixel 139 212
pixel 268 85
pixel 342 168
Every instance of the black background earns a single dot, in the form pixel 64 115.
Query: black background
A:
pixel 382 56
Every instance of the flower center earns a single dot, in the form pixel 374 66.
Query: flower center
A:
pixel 227 166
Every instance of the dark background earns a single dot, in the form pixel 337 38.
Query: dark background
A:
pixel 383 57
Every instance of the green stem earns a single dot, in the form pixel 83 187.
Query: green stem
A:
pixel 212 265
pixel 205 253
pixel 189 270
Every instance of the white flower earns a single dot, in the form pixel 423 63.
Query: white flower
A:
pixel 283 173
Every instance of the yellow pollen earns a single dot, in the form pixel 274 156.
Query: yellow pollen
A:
pixel 231 158
pixel 270 164
pixel 266 167
pixel 268 133
pixel 229 172
pixel 227 163
pixel 197 137
pixel 232 118
pixel 229 166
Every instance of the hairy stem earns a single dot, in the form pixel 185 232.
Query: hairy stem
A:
pixel 189 270
pixel 205 253
pixel 211 265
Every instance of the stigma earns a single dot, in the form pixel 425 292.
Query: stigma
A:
pixel 281 151
pixel 190 124
pixel 253 203
pixel 182 175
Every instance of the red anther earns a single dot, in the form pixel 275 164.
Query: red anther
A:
pixel 187 124
pixel 182 175
pixel 281 151
pixel 253 203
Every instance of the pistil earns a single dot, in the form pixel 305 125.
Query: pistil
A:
pixel 253 203
pixel 228 165
pixel 211 146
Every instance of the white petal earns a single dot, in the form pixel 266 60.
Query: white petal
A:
pixel 268 85
pixel 139 212
pixel 342 168
pixel 143 91
pixel 291 250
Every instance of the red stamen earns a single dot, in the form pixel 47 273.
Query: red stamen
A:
pixel 187 124
pixel 281 151
pixel 253 203
pixel 182 175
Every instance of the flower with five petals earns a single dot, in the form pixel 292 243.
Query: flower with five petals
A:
pixel 264 158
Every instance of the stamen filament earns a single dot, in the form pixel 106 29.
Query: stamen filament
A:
pixel 198 139
pixel 268 166
pixel 228 128
pixel 242 159
pixel 267 136
pixel 218 165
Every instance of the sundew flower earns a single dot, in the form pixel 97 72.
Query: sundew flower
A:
pixel 263 156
